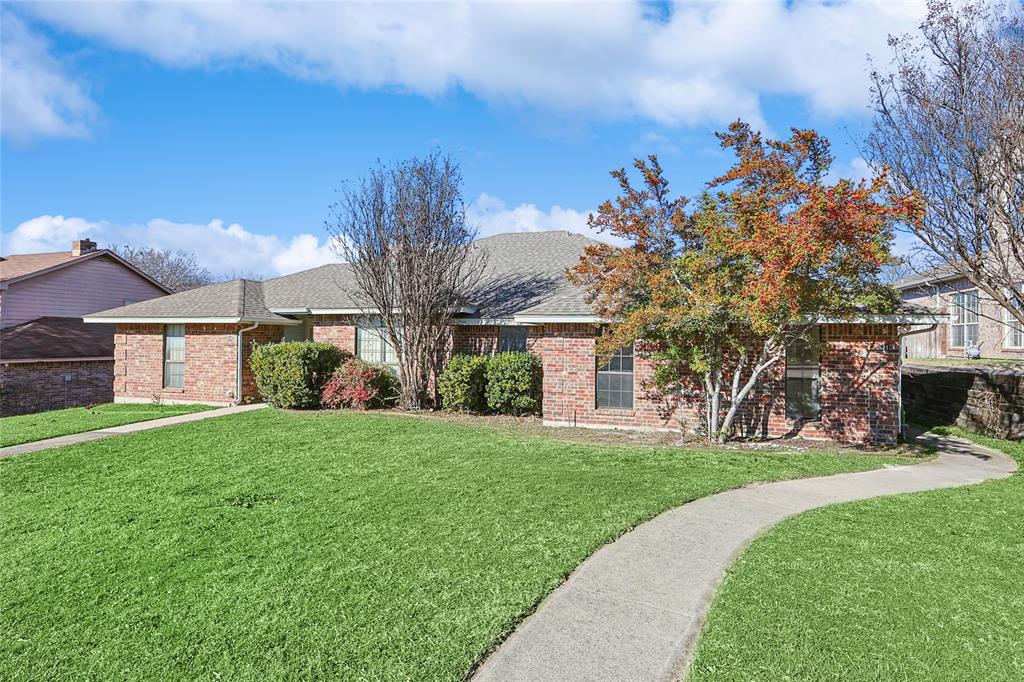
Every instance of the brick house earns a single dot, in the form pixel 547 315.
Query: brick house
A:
pixel 193 346
pixel 49 358
pixel 974 318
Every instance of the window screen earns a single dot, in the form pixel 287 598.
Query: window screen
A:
pixel 803 379
pixel 372 344
pixel 174 356
pixel 964 319
pixel 615 380
pixel 511 339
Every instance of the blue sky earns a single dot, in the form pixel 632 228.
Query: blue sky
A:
pixel 225 128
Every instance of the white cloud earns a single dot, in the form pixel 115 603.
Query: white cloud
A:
pixel 704 62
pixel 223 249
pixel 37 97
pixel 490 215
pixel 855 169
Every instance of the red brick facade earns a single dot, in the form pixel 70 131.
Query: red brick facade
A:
pixel 859 377
pixel 210 360
pixel 859 386
pixel 39 386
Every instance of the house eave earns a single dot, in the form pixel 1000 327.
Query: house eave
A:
pixel 186 320
pixel 557 319
pixel 905 318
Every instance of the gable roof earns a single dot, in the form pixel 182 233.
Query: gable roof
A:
pixel 18 267
pixel 55 338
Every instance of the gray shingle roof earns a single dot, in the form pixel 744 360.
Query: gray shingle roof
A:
pixel 525 273
pixel 942 273
pixel 240 299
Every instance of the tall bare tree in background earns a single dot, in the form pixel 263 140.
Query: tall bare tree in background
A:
pixel 403 231
pixel 949 124
pixel 177 270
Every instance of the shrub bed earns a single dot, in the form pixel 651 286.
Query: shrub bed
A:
pixel 463 383
pixel 361 386
pixel 514 383
pixel 292 374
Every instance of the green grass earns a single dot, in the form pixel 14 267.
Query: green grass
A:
pixel 270 545
pixel 928 586
pixel 31 427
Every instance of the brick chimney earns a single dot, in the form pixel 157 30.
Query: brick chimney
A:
pixel 80 246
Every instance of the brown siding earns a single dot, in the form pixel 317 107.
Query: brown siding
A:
pixel 86 287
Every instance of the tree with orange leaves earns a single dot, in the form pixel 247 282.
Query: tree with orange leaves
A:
pixel 721 291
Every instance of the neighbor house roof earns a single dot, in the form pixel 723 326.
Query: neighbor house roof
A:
pixel 55 338
pixel 936 275
pixel 17 267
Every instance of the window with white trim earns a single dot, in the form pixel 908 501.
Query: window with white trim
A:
pixel 963 324
pixel 174 356
pixel 803 378
pixel 511 339
pixel 372 343
pixel 614 388
pixel 1015 333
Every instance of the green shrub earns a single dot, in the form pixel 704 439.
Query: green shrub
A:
pixel 292 374
pixel 463 383
pixel 514 383
pixel 361 386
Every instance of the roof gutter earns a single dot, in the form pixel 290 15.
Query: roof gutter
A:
pixel 238 363
pixel 899 365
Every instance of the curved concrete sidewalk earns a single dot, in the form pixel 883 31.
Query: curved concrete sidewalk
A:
pixel 59 441
pixel 634 609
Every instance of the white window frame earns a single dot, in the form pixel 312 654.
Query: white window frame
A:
pixel 166 375
pixel 385 354
pixel 1014 337
pixel 958 311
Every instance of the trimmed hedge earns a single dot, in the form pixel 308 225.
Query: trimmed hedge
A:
pixel 514 383
pixel 291 375
pixel 361 386
pixel 463 383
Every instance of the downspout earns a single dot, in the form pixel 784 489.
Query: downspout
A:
pixel 899 384
pixel 238 363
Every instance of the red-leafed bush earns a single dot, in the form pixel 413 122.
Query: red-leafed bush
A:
pixel 361 386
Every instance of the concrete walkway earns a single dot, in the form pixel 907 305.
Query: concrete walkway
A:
pixel 35 446
pixel 634 609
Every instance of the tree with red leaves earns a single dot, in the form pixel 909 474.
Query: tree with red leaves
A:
pixel 720 292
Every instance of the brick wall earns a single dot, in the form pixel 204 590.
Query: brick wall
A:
pixel 210 358
pixel 38 386
pixel 339 330
pixel 859 398
pixel 986 400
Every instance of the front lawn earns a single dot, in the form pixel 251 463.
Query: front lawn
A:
pixel 270 545
pixel 928 586
pixel 26 428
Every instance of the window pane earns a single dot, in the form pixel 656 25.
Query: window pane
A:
pixel 174 356
pixel 511 339
pixel 802 399
pixel 614 381
pixel 372 344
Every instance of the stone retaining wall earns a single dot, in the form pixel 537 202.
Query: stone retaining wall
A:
pixel 982 399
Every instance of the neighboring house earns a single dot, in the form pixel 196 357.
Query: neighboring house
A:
pixel 49 358
pixel 194 346
pixel 975 320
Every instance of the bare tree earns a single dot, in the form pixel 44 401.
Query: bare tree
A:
pixel 403 231
pixel 177 270
pixel 949 125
